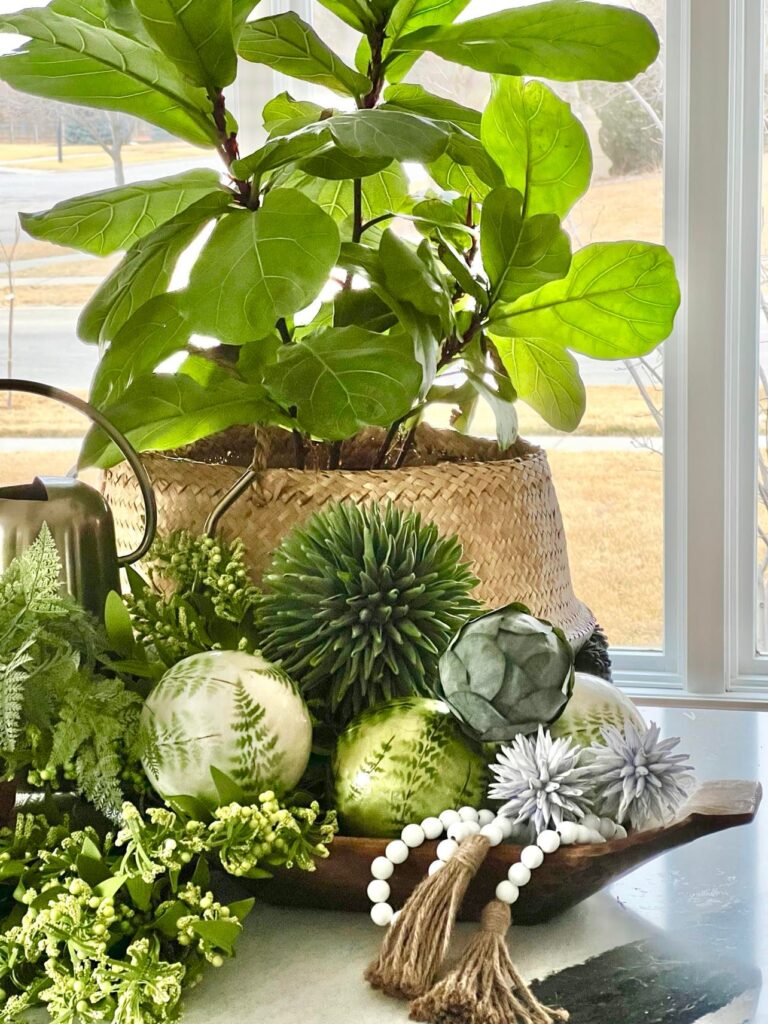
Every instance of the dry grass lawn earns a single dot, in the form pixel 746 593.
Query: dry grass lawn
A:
pixel 48 295
pixel 30 416
pixel 43 157
pixel 95 267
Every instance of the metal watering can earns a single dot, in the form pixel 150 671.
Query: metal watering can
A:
pixel 78 517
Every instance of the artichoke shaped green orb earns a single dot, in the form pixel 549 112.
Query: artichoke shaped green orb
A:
pixel 507 673
pixel 401 762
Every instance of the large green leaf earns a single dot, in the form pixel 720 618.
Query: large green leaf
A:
pixel 283 149
pixel 414 99
pixel 345 378
pixel 103 222
pixel 385 192
pixel 287 44
pixel 618 301
pixel 540 146
pixel 76 62
pixel 334 163
pixel 261 265
pixel 559 39
pixel 454 176
pixel 354 12
pixel 408 278
pixel 157 330
pixel 241 10
pixel 391 133
pixel 408 16
pixel 546 377
pixel 162 411
pixel 283 115
pixel 145 270
pixel 197 35
pixel 520 254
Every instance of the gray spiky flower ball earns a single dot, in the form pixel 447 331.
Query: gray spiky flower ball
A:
pixel 542 781
pixel 359 604
pixel 638 778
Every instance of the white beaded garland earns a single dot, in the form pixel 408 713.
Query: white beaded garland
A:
pixel 505 824
pixel 412 836
pixel 492 833
pixel 532 857
pixel 568 831
pixel 382 914
pixel 459 826
pixel 519 874
pixel 446 849
pixel 382 868
pixel 468 814
pixel 548 841
pixel 378 891
pixel 432 828
pixel 397 851
pixel 507 892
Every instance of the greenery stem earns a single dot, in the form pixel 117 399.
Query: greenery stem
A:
pixel 228 147
pixel 357 192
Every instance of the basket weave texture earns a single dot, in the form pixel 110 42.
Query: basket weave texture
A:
pixel 505 513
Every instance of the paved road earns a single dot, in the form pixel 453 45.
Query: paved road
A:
pixel 46 347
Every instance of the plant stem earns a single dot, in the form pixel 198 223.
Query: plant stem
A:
pixel 334 459
pixel 282 330
pixel 357 212
pixel 228 147
pixel 376 220
pixel 407 445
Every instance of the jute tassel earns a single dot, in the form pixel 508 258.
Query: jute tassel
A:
pixel 484 987
pixel 416 944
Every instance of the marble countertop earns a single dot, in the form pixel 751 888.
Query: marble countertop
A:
pixel 682 940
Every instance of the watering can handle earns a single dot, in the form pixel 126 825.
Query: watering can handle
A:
pixel 32 387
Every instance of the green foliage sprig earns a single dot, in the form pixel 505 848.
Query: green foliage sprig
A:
pixel 359 603
pixel 489 306
pixel 113 929
pixel 62 719
pixel 197 598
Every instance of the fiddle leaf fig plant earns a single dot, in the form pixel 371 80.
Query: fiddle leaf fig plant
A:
pixel 333 294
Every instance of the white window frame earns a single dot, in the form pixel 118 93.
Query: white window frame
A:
pixel 712 182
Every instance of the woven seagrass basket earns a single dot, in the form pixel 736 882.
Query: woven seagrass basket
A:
pixel 502 505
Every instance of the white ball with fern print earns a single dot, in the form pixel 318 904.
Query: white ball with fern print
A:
pixel 228 710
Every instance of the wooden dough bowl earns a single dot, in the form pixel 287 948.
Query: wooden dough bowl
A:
pixel 564 879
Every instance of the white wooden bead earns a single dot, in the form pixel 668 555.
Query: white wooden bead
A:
pixel 620 833
pixel 378 891
pixel 568 831
pixel 505 824
pixel 395 915
pixel 446 849
pixel 382 868
pixel 412 835
pixel 471 828
pixel 435 866
pixel 458 831
pixel 587 835
pixel 449 817
pixel 432 828
pixel 382 914
pixel 485 817
pixel 468 814
pixel 548 841
pixel 492 833
pixel 397 851
pixel 607 828
pixel 519 875
pixel 532 857
pixel 507 892
pixel 591 821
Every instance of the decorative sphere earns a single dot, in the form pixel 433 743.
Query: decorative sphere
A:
pixel 594 704
pixel 519 874
pixel 568 830
pixel 433 827
pixel 548 841
pixel 382 867
pixel 485 817
pixel 397 851
pixel 412 836
pixel 532 857
pixel 382 914
pixel 449 817
pixel 378 891
pixel 227 710
pixel 492 833
pixel 507 892
pixel 401 762
pixel 446 849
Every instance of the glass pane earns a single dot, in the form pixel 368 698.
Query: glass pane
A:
pixel 761 610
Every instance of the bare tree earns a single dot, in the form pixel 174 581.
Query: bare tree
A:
pixel 108 129
pixel 8 254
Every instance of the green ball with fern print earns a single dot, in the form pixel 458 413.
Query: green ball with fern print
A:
pixel 228 710
pixel 401 762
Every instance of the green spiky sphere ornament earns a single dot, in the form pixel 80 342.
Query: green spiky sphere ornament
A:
pixel 359 604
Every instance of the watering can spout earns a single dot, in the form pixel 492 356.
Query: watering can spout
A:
pixel 78 517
